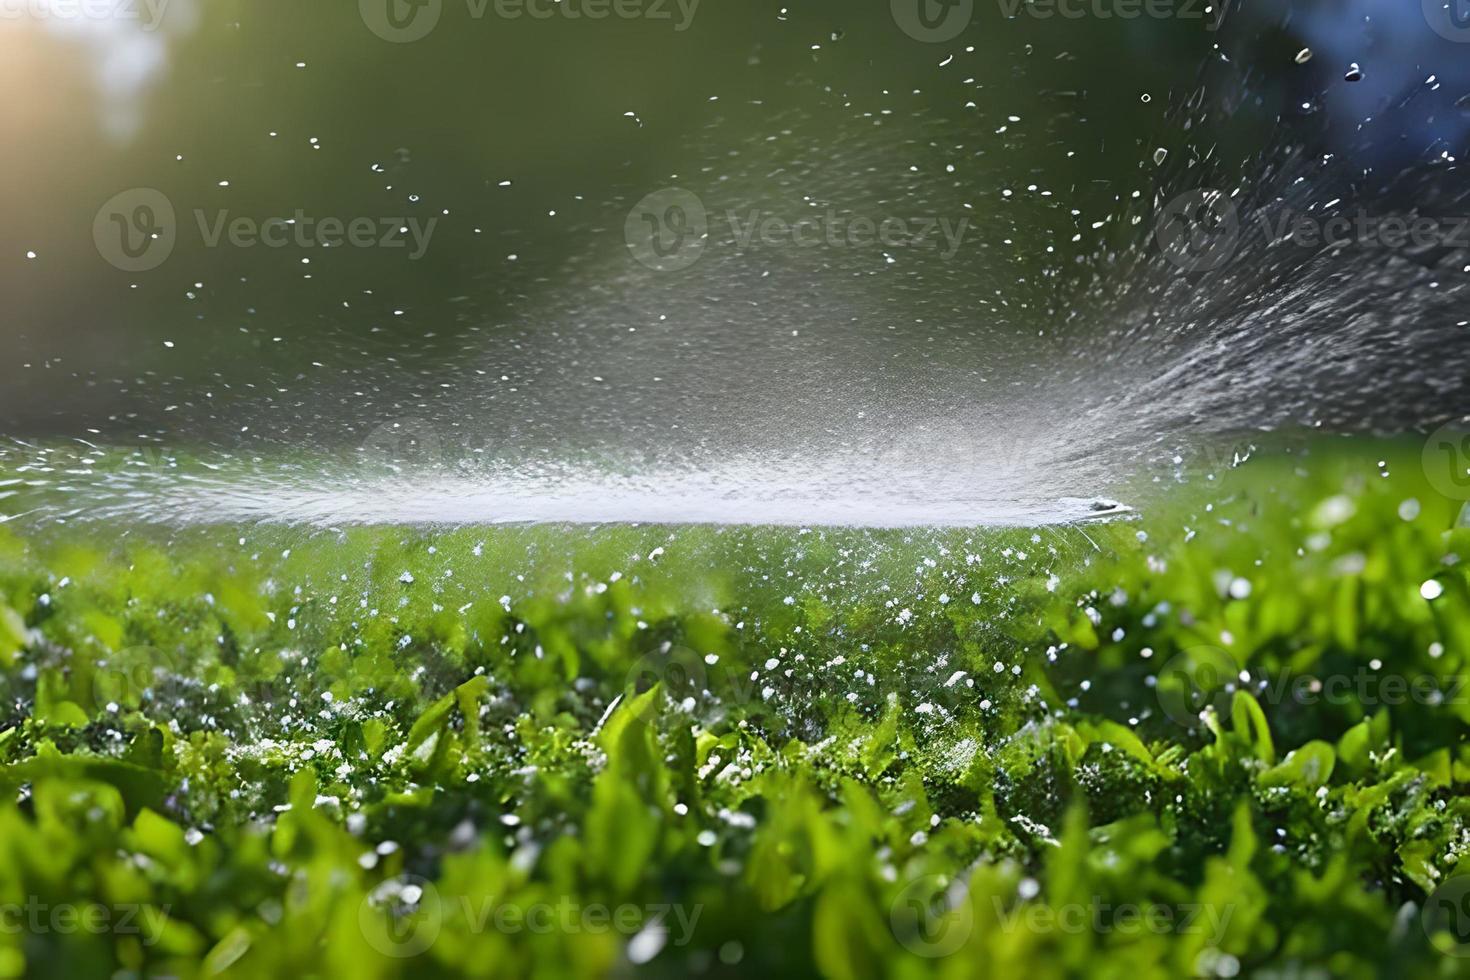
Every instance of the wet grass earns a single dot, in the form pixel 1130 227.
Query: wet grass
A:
pixel 1223 737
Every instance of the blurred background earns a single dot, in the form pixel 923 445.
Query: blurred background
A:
pixel 520 143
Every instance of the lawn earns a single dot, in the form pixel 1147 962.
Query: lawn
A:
pixel 1224 738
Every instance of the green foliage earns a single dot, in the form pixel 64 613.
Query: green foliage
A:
pixel 1226 738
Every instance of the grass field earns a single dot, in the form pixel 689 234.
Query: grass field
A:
pixel 1226 738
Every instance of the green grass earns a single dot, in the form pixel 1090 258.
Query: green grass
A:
pixel 551 752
